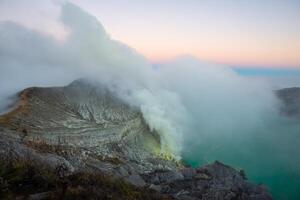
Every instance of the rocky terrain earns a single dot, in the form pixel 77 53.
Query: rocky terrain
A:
pixel 86 129
pixel 291 101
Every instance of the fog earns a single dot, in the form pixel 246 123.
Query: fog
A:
pixel 202 111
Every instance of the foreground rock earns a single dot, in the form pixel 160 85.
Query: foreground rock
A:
pixel 214 181
pixel 83 128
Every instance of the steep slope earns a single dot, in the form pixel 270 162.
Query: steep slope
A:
pixel 87 128
pixel 84 117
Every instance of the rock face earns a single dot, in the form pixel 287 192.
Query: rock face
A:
pixel 214 181
pixel 81 127
pixel 85 121
pixel 290 98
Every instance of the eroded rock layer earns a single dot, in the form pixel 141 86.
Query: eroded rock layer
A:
pixel 82 127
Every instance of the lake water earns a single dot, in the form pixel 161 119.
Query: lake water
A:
pixel 269 154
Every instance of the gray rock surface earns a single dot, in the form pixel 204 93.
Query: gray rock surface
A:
pixel 290 98
pixel 87 122
pixel 214 181
pixel 86 128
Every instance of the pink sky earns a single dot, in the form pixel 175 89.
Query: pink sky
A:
pixel 249 33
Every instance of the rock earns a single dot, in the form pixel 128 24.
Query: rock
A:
pixel 155 187
pixel 260 197
pixel 86 128
pixel 189 173
pixel 230 196
pixel 202 176
pixel 85 119
pixel 166 189
pixel 202 184
pixel 214 181
pixel 39 196
pixel 136 180
pixel 290 98
pixel 186 197
pixel 153 179
pixel 182 193
pixel 170 176
pixel 122 171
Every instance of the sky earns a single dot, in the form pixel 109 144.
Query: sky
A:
pixel 260 33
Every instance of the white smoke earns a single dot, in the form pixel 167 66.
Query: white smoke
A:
pixel 181 100
pixel 29 58
pixel 217 99
pixel 202 112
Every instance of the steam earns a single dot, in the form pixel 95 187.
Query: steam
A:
pixel 29 58
pixel 182 100
pixel 201 111
pixel 178 98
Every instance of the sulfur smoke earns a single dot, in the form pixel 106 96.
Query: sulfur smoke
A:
pixel 196 107
pixel 29 58
pixel 169 97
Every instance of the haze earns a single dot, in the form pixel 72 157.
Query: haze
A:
pixel 202 111
pixel 261 33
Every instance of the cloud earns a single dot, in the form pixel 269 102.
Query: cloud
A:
pixel 183 100
pixel 30 58
pixel 201 111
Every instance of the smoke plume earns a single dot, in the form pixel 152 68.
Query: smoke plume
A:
pixel 173 98
pixel 200 110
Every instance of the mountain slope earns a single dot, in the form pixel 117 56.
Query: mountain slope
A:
pixel 84 117
pixel 87 128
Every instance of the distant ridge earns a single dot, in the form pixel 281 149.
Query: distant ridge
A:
pixel 290 98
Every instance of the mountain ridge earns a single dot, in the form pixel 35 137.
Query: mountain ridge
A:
pixel 83 127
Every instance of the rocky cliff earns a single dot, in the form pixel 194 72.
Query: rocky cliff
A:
pixel 290 98
pixel 84 128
